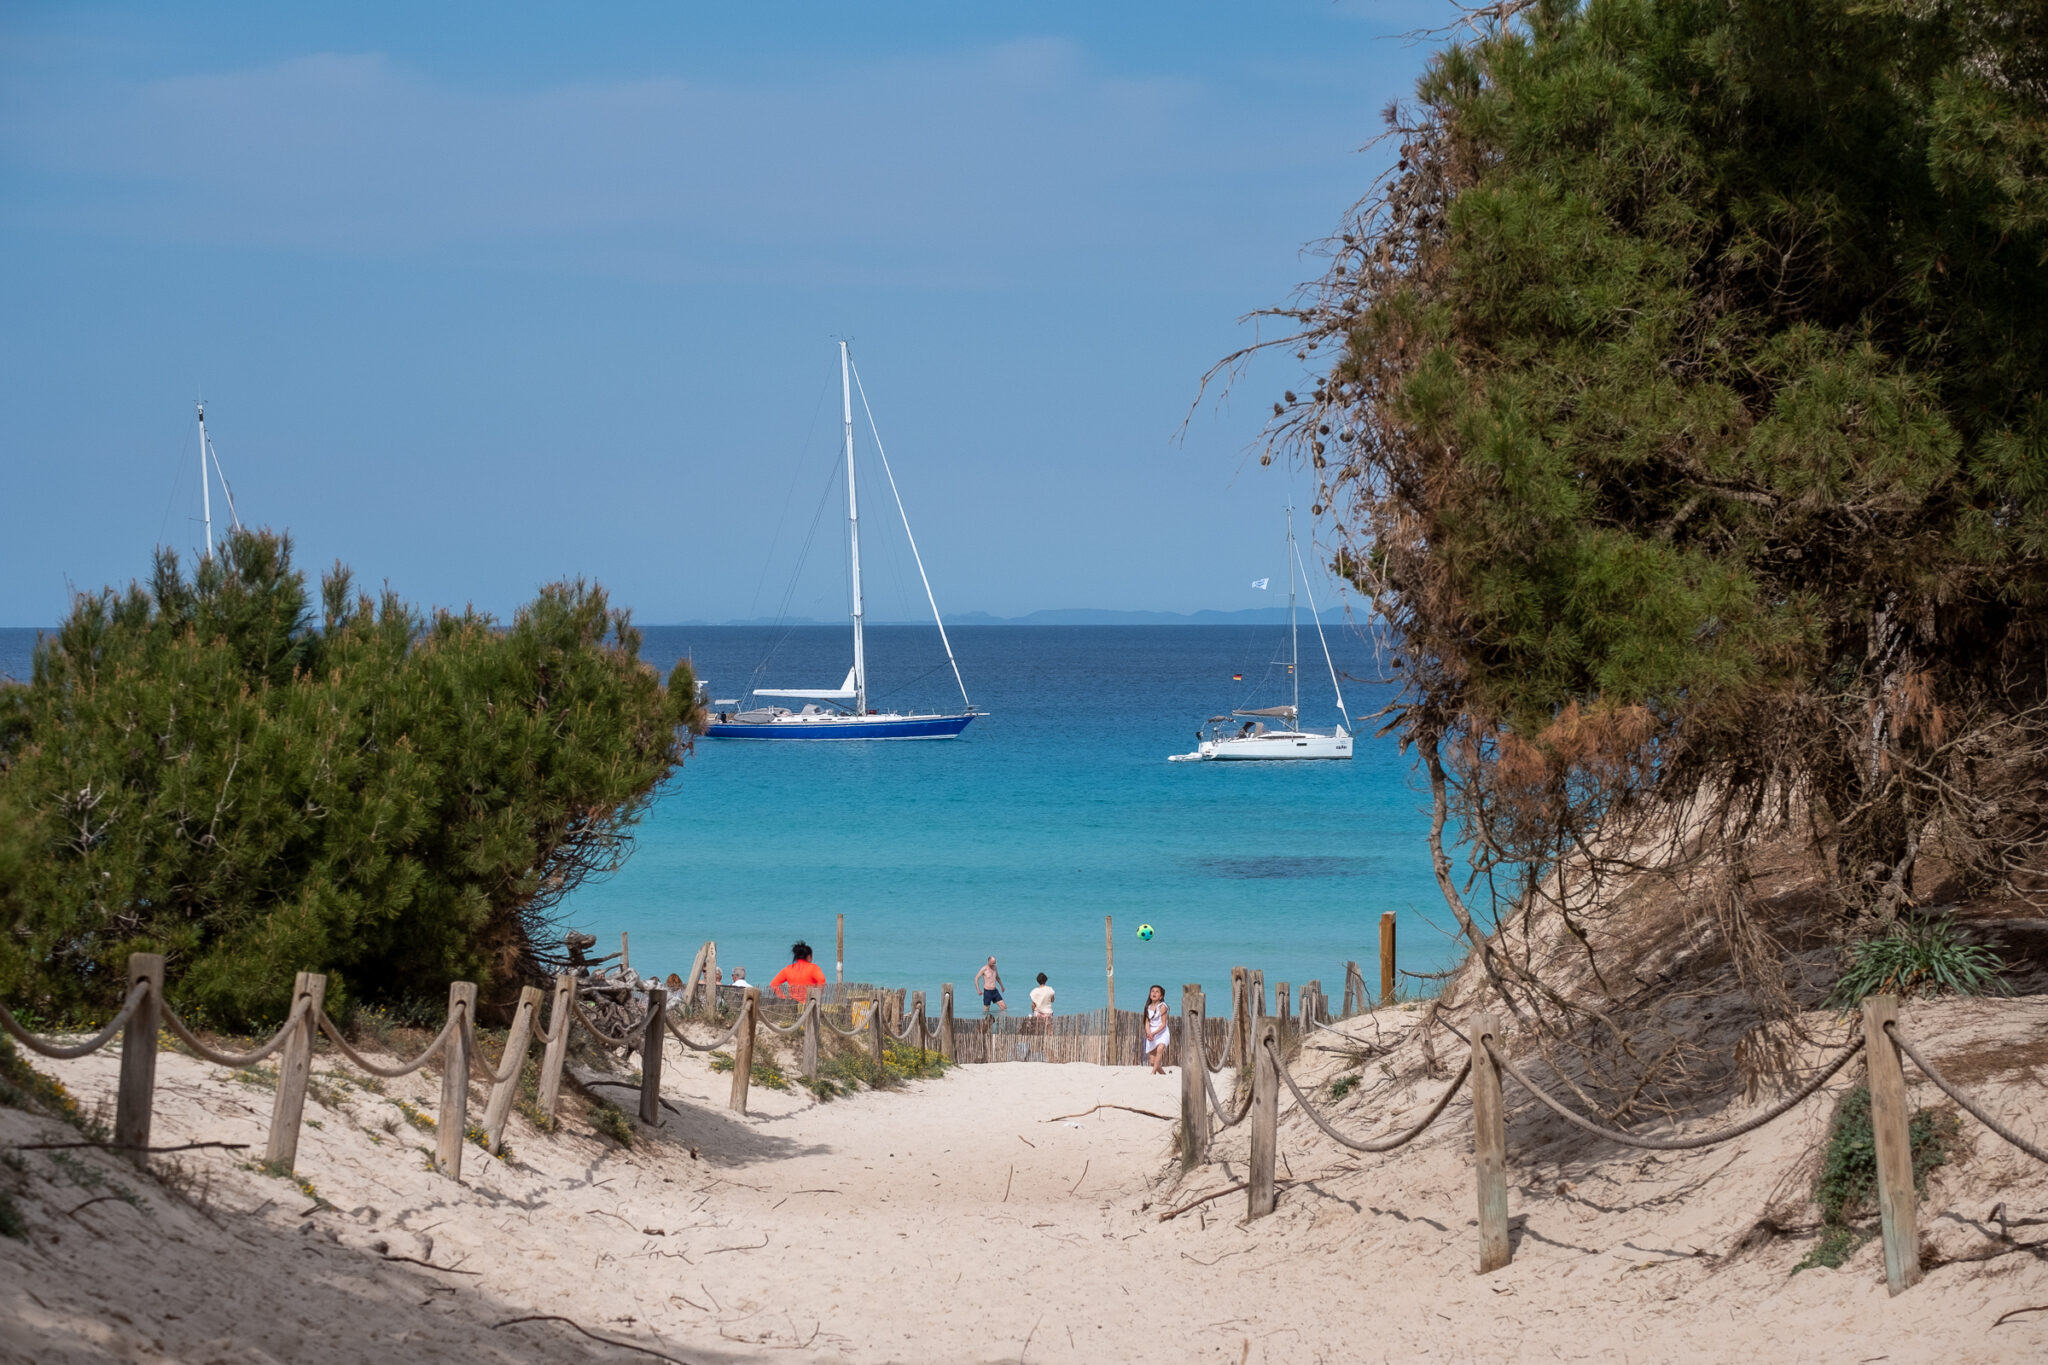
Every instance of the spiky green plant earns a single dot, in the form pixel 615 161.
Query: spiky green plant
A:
pixel 1918 955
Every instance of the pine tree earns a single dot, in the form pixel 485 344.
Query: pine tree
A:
pixel 396 798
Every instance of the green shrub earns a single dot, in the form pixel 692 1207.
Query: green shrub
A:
pixel 201 767
pixel 763 1071
pixel 1343 1086
pixel 1918 956
pixel 1846 1187
pixel 610 1120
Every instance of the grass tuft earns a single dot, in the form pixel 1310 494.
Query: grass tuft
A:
pixel 610 1120
pixel 1918 956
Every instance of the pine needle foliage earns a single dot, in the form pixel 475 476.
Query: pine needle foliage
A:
pixel 202 767
pixel 1680 400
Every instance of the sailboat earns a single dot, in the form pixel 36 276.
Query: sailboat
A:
pixel 1254 740
pixel 842 712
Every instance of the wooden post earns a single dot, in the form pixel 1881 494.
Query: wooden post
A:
pixel 711 977
pixel 875 1043
pixel 1311 1006
pixel 946 1021
pixel 743 1049
pixel 1194 1109
pixel 625 961
pixel 814 1005
pixel 1256 981
pixel 498 1108
pixel 1265 1116
pixel 653 1047
pixel 1352 1004
pixel 917 1013
pixel 1387 957
pixel 1283 995
pixel 1489 1146
pixel 294 1069
pixel 690 981
pixel 136 1098
pixel 452 1123
pixel 558 1045
pixel 1891 1126
pixel 1109 957
pixel 839 956
pixel 1240 1017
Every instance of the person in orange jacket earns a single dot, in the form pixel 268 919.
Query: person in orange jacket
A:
pixel 795 981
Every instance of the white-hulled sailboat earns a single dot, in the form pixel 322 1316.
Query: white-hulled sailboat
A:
pixel 1254 740
pixel 845 713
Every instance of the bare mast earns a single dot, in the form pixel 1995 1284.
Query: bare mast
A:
pixel 1293 635
pixel 860 662
pixel 205 481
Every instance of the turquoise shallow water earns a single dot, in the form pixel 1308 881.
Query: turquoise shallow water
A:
pixel 1055 809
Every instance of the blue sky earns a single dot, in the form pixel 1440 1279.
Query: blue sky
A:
pixel 481 296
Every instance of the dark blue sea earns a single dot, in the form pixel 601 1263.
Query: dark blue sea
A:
pixel 1054 809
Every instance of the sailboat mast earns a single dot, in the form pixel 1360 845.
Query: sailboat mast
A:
pixel 1293 635
pixel 860 662
pixel 205 486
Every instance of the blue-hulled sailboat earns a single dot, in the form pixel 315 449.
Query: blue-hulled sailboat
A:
pixel 842 712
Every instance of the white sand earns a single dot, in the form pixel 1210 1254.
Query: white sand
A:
pixel 952 1222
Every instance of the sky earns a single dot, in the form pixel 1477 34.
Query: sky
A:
pixel 484 296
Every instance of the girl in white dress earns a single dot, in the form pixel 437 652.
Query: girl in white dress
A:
pixel 1157 1034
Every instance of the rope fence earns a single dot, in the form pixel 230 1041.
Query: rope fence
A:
pixel 1247 1039
pixel 1879 1041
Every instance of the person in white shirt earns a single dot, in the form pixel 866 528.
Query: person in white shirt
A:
pixel 1041 997
pixel 739 977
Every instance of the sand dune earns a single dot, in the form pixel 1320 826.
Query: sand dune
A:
pixel 962 1220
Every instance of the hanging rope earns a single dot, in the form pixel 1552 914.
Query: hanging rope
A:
pixel 916 1018
pixel 729 1035
pixel 1942 1083
pixel 509 1064
pixel 859 1031
pixel 64 1052
pixel 230 1059
pixel 1226 1124
pixel 593 1030
pixel 1673 1144
pixel 798 1023
pixel 327 1026
pixel 1381 1144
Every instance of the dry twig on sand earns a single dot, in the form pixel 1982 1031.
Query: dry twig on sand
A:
pixel 609 1341
pixel 1148 1113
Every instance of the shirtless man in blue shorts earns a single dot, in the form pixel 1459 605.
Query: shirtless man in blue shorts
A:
pixel 991 983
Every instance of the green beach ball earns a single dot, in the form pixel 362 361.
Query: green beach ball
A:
pixel 1145 932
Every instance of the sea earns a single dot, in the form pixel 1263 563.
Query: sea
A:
pixel 1055 812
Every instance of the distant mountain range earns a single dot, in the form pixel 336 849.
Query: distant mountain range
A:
pixel 1061 616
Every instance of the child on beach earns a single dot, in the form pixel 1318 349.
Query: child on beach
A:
pixel 1157 1034
pixel 796 980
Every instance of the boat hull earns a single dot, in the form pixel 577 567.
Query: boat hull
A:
pixel 1283 747
pixel 800 727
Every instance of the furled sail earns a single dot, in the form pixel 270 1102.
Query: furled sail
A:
pixel 1286 713
pixel 842 692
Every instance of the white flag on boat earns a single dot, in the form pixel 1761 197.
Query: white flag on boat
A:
pixel 1260 583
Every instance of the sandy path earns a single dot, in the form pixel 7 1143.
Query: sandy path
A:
pixel 953 1222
